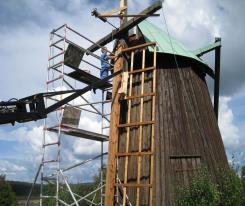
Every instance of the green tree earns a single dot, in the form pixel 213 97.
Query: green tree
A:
pixel 7 196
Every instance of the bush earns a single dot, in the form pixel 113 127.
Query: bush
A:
pixel 230 187
pixel 201 192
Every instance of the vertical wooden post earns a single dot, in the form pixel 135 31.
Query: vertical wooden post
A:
pixel 128 131
pixel 123 3
pixel 114 122
pixel 217 78
pixel 113 138
pixel 141 128
pixel 152 172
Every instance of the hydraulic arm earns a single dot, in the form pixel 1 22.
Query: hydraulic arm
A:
pixel 33 107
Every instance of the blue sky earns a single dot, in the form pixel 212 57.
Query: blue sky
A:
pixel 24 30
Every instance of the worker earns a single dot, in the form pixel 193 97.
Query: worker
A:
pixel 105 66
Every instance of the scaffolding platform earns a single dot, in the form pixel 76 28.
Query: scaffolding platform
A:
pixel 73 131
pixel 88 78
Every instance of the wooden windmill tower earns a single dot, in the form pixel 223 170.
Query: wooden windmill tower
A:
pixel 163 127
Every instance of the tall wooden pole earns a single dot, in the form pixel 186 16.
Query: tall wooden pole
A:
pixel 113 137
pixel 114 122
pixel 124 3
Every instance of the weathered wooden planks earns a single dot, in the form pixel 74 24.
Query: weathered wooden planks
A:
pixel 140 165
pixel 186 127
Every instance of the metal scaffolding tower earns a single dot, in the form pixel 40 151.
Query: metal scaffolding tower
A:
pixel 64 73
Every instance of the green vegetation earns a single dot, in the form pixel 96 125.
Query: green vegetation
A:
pixel 64 195
pixel 7 196
pixel 10 189
pixel 243 185
pixel 230 187
pixel 228 190
pixel 22 189
pixel 201 191
pixel 81 189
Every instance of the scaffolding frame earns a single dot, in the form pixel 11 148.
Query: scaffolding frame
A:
pixel 57 75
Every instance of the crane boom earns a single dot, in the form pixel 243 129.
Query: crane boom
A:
pixel 33 107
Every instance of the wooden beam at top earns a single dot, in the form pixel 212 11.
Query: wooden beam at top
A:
pixel 127 26
pixel 126 15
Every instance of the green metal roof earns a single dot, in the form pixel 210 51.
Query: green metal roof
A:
pixel 153 33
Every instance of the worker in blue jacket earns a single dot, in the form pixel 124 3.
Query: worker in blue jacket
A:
pixel 105 66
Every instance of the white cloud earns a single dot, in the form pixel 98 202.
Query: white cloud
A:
pixel 233 137
pixel 196 23
pixel 76 102
pixel 89 124
pixel 31 140
pixel 229 131
pixel 86 147
pixel 7 167
pixel 192 22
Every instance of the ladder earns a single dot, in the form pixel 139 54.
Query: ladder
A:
pixel 55 59
pixel 145 75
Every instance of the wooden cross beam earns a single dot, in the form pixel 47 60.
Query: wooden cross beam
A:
pixel 116 33
pixel 126 15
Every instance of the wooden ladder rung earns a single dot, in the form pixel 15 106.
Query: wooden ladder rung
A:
pixel 134 124
pixel 133 185
pixel 142 70
pixel 140 96
pixel 124 154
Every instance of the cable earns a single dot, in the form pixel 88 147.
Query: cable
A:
pixel 111 24
pixel 104 19
pixel 165 21
pixel 182 80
